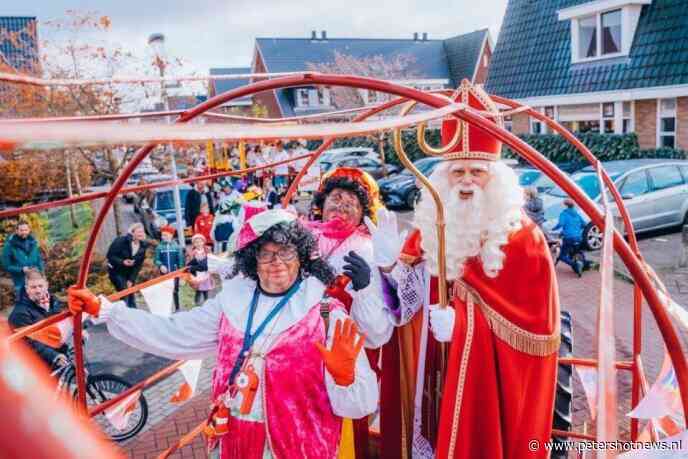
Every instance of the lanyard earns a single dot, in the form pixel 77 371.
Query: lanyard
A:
pixel 249 338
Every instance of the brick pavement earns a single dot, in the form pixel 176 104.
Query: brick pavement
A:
pixel 580 296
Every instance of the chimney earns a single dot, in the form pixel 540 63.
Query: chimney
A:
pixel 323 35
pixel 415 36
pixel 314 35
pixel 425 36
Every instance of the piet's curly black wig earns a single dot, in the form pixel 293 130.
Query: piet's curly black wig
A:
pixel 344 184
pixel 294 234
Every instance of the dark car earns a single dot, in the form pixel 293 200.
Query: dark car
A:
pixel 373 166
pixel 161 210
pixel 400 190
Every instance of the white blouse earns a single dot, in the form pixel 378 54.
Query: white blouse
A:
pixel 368 306
pixel 194 335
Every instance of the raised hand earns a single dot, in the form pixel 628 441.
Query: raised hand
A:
pixel 387 241
pixel 340 359
pixel 82 300
pixel 358 270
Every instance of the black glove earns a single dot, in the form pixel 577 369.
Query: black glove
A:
pixel 358 270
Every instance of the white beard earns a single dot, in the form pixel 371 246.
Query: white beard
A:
pixel 478 226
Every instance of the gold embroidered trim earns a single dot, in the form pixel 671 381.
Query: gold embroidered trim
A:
pixel 470 313
pixel 472 155
pixel 516 337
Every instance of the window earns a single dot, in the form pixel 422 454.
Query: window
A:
pixel 536 127
pixel 627 117
pixel 608 117
pixel 666 123
pixel 587 37
pixel 302 97
pixel 635 184
pixel 508 123
pixel 549 112
pixel 589 126
pixel 611 32
pixel 312 97
pixel 665 177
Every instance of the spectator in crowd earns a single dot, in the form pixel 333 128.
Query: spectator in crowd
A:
pixel 35 303
pixel 533 206
pixel 125 258
pixel 223 224
pixel 571 225
pixel 198 195
pixel 169 257
pixel 281 179
pixel 204 223
pixel 21 253
pixel 198 267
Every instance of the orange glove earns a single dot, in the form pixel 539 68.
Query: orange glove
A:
pixel 340 360
pixel 82 300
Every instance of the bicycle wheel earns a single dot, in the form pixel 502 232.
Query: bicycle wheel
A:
pixel 103 387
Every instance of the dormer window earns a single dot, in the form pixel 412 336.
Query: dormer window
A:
pixel 602 29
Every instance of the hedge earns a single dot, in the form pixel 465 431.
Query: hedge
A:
pixel 606 147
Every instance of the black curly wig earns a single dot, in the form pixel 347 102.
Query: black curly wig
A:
pixel 294 234
pixel 344 184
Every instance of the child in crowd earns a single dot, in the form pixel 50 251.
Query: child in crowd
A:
pixel 198 267
pixel 204 223
pixel 169 257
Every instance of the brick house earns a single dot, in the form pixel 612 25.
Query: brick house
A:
pixel 435 64
pixel 609 66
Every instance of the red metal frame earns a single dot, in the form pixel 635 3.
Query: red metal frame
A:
pixel 628 253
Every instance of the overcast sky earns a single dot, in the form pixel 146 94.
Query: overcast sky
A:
pixel 221 33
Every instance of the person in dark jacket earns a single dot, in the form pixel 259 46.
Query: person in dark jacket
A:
pixel 125 258
pixel 34 304
pixel 21 253
pixel 169 257
pixel 194 198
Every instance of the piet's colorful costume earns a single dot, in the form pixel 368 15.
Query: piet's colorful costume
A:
pixel 498 393
pixel 336 240
pixel 288 405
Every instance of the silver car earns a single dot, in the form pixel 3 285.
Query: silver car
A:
pixel 655 192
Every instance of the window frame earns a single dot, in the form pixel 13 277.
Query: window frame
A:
pixel 576 36
pixel 661 115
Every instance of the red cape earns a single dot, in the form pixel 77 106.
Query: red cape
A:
pixel 504 396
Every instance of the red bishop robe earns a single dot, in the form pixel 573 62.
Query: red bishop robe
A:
pixel 502 366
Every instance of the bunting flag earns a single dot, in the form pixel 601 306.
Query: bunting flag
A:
pixel 118 415
pixel 219 265
pixel 56 335
pixel 159 298
pixel 191 370
pixel 588 379
pixel 662 403
pixel 607 427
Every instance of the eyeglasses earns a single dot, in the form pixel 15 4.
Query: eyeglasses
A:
pixel 268 256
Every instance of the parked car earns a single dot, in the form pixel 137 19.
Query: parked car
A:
pixel 655 192
pixel 329 156
pixel 161 210
pixel 141 176
pixel 401 190
pixel 373 166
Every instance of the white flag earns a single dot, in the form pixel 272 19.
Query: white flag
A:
pixel 159 297
pixel 118 414
pixel 191 370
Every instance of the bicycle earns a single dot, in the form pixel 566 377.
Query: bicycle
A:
pixel 100 388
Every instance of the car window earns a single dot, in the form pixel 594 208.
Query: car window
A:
pixel 527 177
pixel 164 200
pixel 635 184
pixel 684 169
pixel 587 181
pixel 366 163
pixel 665 177
pixel 349 163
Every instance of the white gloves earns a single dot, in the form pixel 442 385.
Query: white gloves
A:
pixel 442 322
pixel 387 242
